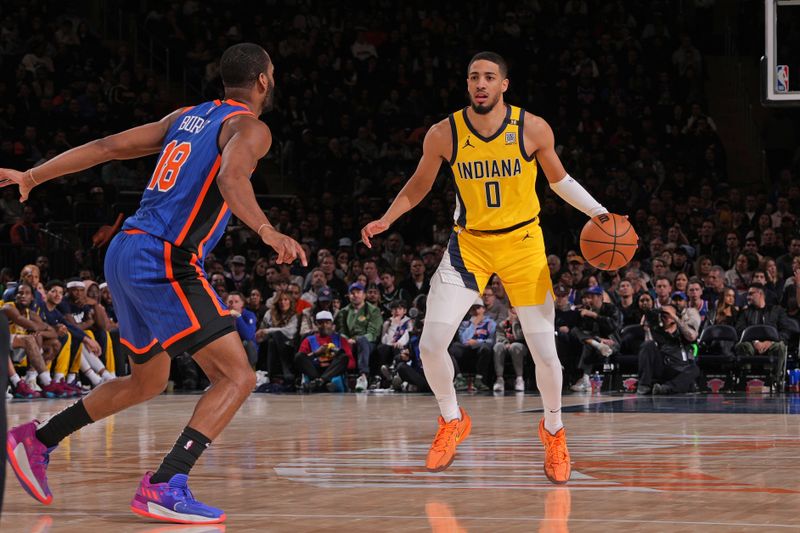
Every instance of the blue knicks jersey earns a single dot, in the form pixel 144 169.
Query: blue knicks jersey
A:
pixel 182 203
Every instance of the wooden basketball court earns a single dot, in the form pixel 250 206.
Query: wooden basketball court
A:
pixel 354 462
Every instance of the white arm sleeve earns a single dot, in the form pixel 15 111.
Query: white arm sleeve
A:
pixel 575 195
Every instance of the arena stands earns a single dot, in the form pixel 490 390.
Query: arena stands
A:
pixel 623 85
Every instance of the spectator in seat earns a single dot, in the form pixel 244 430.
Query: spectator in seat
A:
pixel 740 276
pixel 715 285
pixel 69 334
pixel 25 233
pixel 430 260
pixel 759 276
pixel 395 337
pixel 295 291
pixel 390 292
pixel 417 282
pixel 328 266
pixel 33 339
pixel 784 263
pixel 726 311
pixel 276 336
pixel 495 309
pixel 666 363
pixel 324 355
pixel 595 331
pixel 758 311
pixel 509 341
pixel 360 321
pixel 476 338
pixel 663 292
pixel 255 304
pixel 687 318
pixel 308 323
pixel 238 280
pixel 627 304
pixel 694 293
pixel 567 317
pixel 500 296
pixel 317 280
pixel 373 295
pixel 370 270
pixel 245 325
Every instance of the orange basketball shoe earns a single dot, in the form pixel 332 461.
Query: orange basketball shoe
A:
pixel 448 436
pixel 556 456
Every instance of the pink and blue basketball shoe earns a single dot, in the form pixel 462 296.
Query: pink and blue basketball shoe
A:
pixel 173 502
pixel 29 459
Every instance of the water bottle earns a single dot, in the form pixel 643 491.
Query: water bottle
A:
pixel 597 382
pixel 794 380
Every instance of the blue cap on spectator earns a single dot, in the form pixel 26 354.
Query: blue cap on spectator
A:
pixel 597 289
pixel 679 294
pixel 355 287
pixel 325 294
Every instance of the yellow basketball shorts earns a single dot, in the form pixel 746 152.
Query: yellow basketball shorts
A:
pixel 517 257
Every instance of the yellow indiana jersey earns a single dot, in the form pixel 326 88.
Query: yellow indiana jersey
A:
pixel 495 180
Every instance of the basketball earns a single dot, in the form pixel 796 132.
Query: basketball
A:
pixel 608 242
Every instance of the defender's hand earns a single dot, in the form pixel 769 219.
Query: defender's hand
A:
pixel 373 228
pixel 288 249
pixel 9 176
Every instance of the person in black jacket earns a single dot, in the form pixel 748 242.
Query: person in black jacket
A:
pixel 666 355
pixel 759 312
pixel 596 331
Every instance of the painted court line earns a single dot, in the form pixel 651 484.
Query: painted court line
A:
pixel 237 516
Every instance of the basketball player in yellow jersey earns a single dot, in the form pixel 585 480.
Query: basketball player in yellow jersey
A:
pixel 492 149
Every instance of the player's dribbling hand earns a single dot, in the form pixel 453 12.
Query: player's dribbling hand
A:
pixel 373 228
pixel 10 176
pixel 288 249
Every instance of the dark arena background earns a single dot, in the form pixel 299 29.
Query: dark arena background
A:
pixel 683 115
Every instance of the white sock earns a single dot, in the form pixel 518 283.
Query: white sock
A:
pixel 92 376
pixel 58 377
pixel 30 375
pixel 538 326
pixel 44 378
pixel 70 377
pixel 94 361
pixel 14 379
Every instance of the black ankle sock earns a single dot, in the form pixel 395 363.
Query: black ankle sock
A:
pixel 63 424
pixel 188 448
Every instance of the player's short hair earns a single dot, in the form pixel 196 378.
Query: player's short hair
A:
pixel 242 63
pixel 237 293
pixel 493 57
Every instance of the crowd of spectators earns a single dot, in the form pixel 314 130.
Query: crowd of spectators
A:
pixel 622 85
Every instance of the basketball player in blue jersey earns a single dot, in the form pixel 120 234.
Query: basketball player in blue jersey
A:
pixel 154 269
pixel 492 149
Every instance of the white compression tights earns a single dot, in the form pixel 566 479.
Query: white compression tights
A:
pixel 538 325
pixel 445 307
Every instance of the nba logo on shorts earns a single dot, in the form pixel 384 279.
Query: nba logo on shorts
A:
pixel 782 78
pixel 511 137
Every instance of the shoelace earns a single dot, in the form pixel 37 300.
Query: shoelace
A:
pixel 183 492
pixel 556 452
pixel 444 433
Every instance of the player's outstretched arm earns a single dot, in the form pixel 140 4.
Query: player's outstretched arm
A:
pixel 245 140
pixel 539 136
pixel 436 147
pixel 129 144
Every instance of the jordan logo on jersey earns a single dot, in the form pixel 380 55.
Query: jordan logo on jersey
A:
pixel 468 144
pixel 491 168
